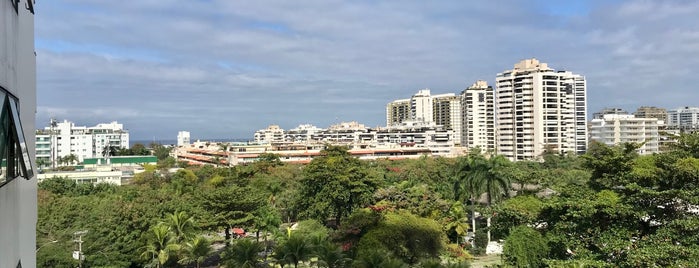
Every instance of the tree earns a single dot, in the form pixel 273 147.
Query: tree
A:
pixel 480 175
pixel 335 184
pixel 160 151
pixel 70 159
pixel 196 251
pixel 525 247
pixel 293 250
pixel 405 236
pixel 244 253
pixel 161 245
pixel 181 225
pixel 265 162
pixel 494 184
pixel 378 259
pixel 330 255
pixel 231 206
pixel 455 221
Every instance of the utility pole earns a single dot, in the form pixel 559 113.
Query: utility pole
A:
pixel 78 255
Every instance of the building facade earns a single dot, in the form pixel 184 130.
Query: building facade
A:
pixel 478 112
pixel 398 111
pixel 613 129
pixel 273 133
pixel 608 110
pixel 18 188
pixel 443 110
pixel 183 138
pixel 659 114
pixel 61 139
pixel 539 109
pixel 447 112
pixel 683 118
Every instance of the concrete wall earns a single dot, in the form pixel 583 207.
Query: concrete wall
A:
pixel 18 206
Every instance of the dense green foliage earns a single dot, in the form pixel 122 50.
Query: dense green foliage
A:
pixel 607 208
pixel 525 247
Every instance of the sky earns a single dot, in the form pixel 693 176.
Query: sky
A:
pixel 224 69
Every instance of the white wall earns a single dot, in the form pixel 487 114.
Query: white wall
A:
pixel 18 206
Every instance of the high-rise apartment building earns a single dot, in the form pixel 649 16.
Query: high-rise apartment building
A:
pixel 183 138
pixel 421 106
pixel 478 112
pixel 442 110
pixel 447 112
pixel 397 112
pixel 61 139
pixel 652 112
pixel 613 129
pixel 684 118
pixel 539 109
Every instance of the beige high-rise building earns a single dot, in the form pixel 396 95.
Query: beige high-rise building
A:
pixel 478 114
pixel 539 109
pixel 447 112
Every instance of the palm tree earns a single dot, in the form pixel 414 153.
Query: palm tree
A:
pixel 456 215
pixel 70 159
pixel 330 255
pixel 294 250
pixel 244 253
pixel 181 225
pixel 467 185
pixel 196 251
pixel 477 175
pixel 378 259
pixel 160 246
pixel 494 184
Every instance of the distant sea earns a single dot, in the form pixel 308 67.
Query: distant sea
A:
pixel 173 141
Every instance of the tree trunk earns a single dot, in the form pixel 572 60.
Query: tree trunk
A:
pixel 488 222
pixel 473 222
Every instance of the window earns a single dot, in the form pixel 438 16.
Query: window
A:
pixel 14 154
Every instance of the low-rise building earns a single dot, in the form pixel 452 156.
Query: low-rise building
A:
pixel 614 129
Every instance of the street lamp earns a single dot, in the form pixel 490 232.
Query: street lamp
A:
pixel 50 242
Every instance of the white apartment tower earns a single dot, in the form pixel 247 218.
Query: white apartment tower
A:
pixel 539 109
pixel 421 106
pixel 613 129
pixel 183 138
pixel 478 129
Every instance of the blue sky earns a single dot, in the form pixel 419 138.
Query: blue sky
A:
pixel 223 69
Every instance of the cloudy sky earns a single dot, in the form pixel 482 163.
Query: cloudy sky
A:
pixel 223 69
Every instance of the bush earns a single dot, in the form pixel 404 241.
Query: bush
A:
pixel 525 247
pixel 407 236
pixel 481 238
